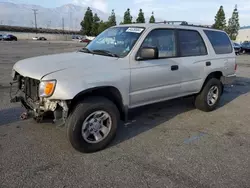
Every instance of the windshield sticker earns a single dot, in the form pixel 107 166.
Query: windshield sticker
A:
pixel 134 30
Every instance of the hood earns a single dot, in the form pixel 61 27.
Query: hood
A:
pixel 38 67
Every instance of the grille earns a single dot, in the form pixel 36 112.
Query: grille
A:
pixel 30 87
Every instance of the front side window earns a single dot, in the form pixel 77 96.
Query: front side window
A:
pixel 220 41
pixel 191 43
pixel 117 41
pixel 164 40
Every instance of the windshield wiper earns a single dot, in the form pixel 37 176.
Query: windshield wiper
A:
pixel 106 52
pixel 85 50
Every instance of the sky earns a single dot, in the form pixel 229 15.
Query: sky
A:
pixel 194 11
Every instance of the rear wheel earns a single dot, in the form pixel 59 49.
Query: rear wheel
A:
pixel 92 124
pixel 208 99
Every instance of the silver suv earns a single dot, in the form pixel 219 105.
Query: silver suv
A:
pixel 124 67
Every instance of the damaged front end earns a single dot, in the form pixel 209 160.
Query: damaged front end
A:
pixel 26 90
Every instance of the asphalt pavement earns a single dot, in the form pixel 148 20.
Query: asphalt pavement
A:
pixel 168 144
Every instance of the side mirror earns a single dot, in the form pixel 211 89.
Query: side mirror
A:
pixel 146 53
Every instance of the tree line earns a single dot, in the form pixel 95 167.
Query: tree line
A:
pixel 92 25
pixel 233 25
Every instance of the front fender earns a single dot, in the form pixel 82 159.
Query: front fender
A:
pixel 68 87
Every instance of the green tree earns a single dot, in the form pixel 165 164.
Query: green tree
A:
pixel 127 18
pixel 112 19
pixel 102 26
pixel 233 24
pixel 220 19
pixel 87 22
pixel 152 18
pixel 95 25
pixel 140 18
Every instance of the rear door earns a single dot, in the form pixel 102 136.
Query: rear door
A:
pixel 223 56
pixel 193 59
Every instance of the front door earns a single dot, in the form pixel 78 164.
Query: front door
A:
pixel 158 79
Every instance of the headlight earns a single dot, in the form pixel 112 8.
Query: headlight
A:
pixel 13 73
pixel 47 88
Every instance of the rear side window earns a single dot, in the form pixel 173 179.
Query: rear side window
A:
pixel 191 43
pixel 220 42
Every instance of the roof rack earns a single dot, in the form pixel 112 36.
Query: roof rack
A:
pixel 172 22
pixel 184 23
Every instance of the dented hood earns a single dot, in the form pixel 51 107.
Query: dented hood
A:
pixel 38 67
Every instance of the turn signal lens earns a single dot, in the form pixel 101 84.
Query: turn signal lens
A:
pixel 46 88
pixel 49 88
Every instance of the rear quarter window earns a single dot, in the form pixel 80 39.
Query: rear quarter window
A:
pixel 191 43
pixel 220 41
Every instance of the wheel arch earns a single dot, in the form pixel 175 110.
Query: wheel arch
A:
pixel 109 92
pixel 215 74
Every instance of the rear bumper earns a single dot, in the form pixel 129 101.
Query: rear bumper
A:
pixel 229 79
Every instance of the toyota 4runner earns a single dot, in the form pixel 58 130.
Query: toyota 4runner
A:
pixel 124 67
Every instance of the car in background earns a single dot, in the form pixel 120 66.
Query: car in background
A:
pixel 85 40
pixel 1 36
pixel 9 37
pixel 76 37
pixel 39 38
pixel 237 48
pixel 245 47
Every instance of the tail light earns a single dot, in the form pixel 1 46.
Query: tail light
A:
pixel 235 67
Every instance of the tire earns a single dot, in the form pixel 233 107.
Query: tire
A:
pixel 80 114
pixel 201 100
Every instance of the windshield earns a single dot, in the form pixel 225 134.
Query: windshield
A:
pixel 116 41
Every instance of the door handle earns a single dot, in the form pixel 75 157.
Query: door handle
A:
pixel 174 67
pixel 208 63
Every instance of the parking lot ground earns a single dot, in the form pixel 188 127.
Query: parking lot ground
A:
pixel 169 144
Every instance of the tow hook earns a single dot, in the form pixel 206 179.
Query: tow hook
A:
pixel 28 114
pixel 24 116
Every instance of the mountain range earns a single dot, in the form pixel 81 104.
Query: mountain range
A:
pixel 68 16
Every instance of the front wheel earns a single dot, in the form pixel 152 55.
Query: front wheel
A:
pixel 208 99
pixel 93 124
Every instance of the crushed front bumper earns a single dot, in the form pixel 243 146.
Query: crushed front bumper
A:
pixel 39 108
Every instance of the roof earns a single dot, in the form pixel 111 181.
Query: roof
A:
pixel 165 25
